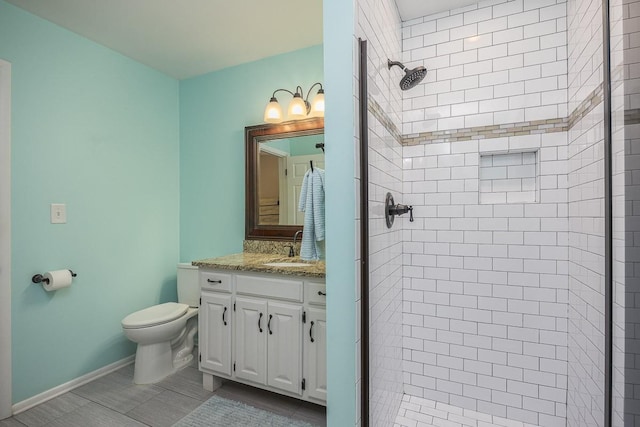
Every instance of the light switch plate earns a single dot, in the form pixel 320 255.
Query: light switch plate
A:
pixel 58 213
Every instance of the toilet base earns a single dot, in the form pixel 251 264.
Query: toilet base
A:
pixel 183 345
pixel 154 362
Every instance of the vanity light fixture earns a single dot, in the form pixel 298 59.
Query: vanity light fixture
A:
pixel 299 108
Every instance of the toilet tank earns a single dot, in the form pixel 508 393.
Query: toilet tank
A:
pixel 188 289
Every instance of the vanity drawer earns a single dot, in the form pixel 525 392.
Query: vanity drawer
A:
pixel 285 289
pixel 215 281
pixel 316 293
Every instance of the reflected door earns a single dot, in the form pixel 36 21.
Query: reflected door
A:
pixel 297 166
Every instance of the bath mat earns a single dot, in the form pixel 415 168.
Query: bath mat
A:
pixel 218 411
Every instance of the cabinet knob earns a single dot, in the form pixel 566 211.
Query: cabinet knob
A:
pixel 214 281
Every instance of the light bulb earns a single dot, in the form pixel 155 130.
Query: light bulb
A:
pixel 297 108
pixel 317 105
pixel 273 112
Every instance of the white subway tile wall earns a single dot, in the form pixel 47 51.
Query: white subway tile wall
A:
pixel 486 261
pixel 485 297
pixel 586 221
pixel 632 279
pixel 585 71
pixel 502 269
pixel 378 22
pixel 492 63
pixel 586 281
pixel 618 211
pixel 508 178
pixel 627 321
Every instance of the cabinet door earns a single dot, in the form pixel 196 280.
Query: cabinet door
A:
pixel 215 325
pixel 251 339
pixel 315 350
pixel 284 347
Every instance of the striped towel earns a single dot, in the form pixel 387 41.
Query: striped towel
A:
pixel 312 204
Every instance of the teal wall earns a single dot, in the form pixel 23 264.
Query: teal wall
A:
pixel 298 146
pixel 99 132
pixel 340 123
pixel 306 145
pixel 283 144
pixel 119 128
pixel 214 110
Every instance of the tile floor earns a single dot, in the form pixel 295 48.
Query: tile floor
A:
pixel 114 400
pixel 418 412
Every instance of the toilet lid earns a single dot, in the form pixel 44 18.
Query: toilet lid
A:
pixel 156 315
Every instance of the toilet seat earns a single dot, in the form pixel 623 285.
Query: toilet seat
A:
pixel 156 315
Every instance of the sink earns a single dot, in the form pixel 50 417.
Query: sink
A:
pixel 286 264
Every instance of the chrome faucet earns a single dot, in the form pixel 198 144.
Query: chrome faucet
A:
pixel 292 250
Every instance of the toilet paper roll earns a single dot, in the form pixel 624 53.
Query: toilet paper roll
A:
pixel 57 279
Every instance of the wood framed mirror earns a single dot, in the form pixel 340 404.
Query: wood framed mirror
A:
pixel 276 158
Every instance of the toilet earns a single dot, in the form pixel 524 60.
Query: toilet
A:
pixel 165 332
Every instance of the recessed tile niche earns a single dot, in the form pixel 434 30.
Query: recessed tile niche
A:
pixel 509 178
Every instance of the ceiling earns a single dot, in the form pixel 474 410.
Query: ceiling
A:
pixel 192 37
pixel 187 38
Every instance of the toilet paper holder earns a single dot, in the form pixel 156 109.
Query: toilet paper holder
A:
pixel 39 278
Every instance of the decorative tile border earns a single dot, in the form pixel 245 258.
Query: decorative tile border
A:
pixel 377 111
pixel 486 132
pixel 497 131
pixel 586 106
pixel 510 129
pixel 632 117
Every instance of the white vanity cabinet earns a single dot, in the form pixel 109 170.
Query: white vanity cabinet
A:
pixel 251 339
pixel 269 340
pixel 284 347
pixel 214 322
pixel 315 341
pixel 316 354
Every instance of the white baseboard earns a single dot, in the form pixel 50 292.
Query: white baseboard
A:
pixel 70 385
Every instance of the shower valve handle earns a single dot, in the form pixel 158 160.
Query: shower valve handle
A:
pixel 401 209
pixel 391 210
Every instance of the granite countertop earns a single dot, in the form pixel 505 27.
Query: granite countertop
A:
pixel 248 261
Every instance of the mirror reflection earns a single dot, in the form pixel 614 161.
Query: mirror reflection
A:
pixel 282 164
pixel 277 158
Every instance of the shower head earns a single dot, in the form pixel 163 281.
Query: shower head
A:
pixel 411 77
